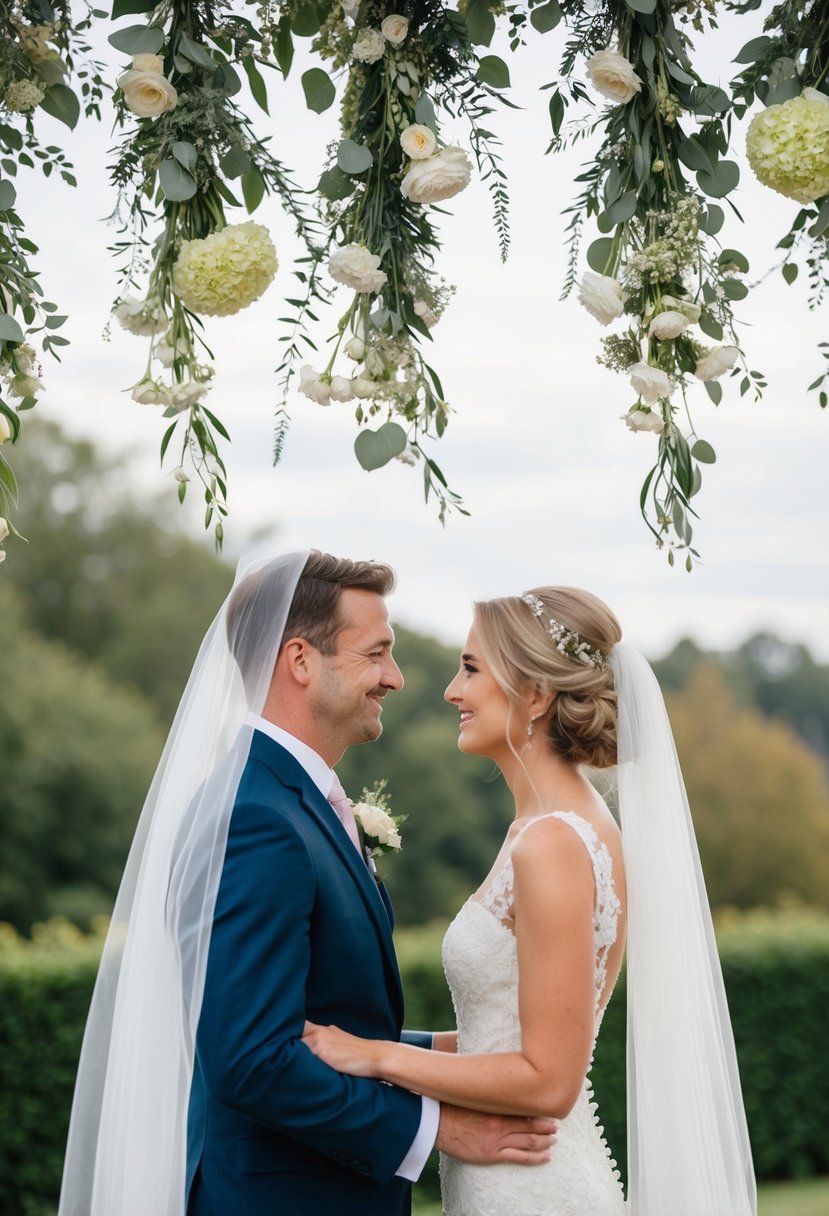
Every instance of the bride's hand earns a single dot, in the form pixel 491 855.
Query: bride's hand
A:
pixel 342 1051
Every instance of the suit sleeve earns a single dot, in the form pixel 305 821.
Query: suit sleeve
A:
pixel 253 1011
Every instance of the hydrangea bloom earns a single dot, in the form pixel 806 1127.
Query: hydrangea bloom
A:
pixel 788 147
pixel 226 271
pixel 22 96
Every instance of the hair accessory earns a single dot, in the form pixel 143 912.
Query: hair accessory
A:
pixel 565 640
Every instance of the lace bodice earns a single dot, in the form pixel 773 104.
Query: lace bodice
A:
pixel 481 963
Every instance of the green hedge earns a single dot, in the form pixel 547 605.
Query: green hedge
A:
pixel 776 968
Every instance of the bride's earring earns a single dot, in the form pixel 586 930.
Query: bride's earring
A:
pixel 530 733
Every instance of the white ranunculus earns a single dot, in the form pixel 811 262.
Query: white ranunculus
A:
pixel 394 28
pixel 425 313
pixel 183 396
pixel 357 267
pixel 650 383
pixel 5 429
pixel 141 317
pixel 355 348
pixel 643 420
pixel 613 76
pixel 378 824
pixel 687 307
pixel 4 529
pixel 668 324
pixel 602 296
pixel 363 388
pixel 418 142
pixel 717 362
pixel 181 474
pixel 313 386
pixel 150 392
pixel 438 177
pixel 148 63
pixel 340 389
pixel 369 46
pixel 147 94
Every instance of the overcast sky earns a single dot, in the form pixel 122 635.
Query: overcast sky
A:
pixel 536 446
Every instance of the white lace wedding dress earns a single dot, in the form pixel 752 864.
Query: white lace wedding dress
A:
pixel 481 963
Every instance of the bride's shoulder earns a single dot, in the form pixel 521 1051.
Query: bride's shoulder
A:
pixel 550 840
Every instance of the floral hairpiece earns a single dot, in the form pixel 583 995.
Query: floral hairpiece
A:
pixel 565 640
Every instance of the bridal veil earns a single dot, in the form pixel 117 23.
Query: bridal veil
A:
pixel 126 1153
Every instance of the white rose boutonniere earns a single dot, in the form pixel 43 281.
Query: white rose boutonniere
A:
pixel 378 828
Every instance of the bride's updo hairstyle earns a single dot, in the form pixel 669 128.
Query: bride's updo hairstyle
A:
pixel 521 654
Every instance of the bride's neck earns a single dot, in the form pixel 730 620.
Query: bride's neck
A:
pixel 541 781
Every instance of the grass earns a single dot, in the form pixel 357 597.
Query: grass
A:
pixel 807 1198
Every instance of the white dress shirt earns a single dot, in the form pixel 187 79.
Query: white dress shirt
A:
pixel 411 1167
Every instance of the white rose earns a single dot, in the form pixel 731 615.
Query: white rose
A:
pixel 717 362
pixel 363 388
pixel 313 386
pixel 340 389
pixel 377 823
pixel 5 429
pixel 355 348
pixel 369 46
pixel 425 313
pixel 602 296
pixel 650 383
pixel 669 324
pixel 148 63
pixel 613 76
pixel 150 392
pixel 643 420
pixel 437 178
pixel 357 268
pixel 394 28
pixel 4 529
pixel 688 309
pixel 147 94
pixel 181 475
pixel 418 142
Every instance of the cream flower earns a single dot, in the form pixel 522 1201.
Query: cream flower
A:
pixel 363 387
pixel 650 383
pixel 181 475
pixel 369 46
pixel 340 389
pixel 644 420
pixel 165 354
pixel 394 28
pixel 23 95
pixel 440 177
pixel 425 313
pixel 788 147
pixel 716 363
pixel 148 63
pixel 378 824
pixel 226 271
pixel 668 324
pixel 4 529
pixel 355 348
pixel 5 429
pixel 356 267
pixel 141 317
pixel 183 396
pixel 687 307
pixel 313 386
pixel 601 295
pixel 24 385
pixel 147 93
pixel 418 142
pixel 150 392
pixel 613 76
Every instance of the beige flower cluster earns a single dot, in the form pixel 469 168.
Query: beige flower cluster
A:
pixel 22 96
pixel 147 91
pixel 225 271
pixel 788 146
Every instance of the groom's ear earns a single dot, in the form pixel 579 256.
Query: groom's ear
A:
pixel 296 660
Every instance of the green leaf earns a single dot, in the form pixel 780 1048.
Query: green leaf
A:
pixel 733 289
pixel 335 185
pixel 733 257
pixel 703 452
pixel 753 50
pixel 425 112
pixel 546 17
pixel 711 327
pixel 253 189
pixel 722 181
pixel 122 8
pixel 7 195
pixel 373 449
pixel 709 99
pixel 790 271
pixel 258 87
pixel 306 20
pixel 10 330
pixel 822 222
pixel 185 154
pixel 175 181
pixel 283 46
pixel 227 79
pixel 694 156
pixel 714 391
pixel 319 90
pixel 599 253
pixel 494 72
pixel 711 219
pixel 165 442
pixel 353 158
pixel 623 209
pixel 480 22
pixel 195 52
pixel 557 109
pixel 138 40
pixel 61 103
pixel 641 6
pixel 235 162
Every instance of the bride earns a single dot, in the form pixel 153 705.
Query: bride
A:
pixel 546 686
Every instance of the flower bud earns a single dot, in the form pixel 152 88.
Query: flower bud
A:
pixel 355 348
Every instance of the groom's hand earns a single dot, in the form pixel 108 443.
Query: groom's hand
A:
pixel 488 1139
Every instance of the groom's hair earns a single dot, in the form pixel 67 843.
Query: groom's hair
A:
pixel 314 613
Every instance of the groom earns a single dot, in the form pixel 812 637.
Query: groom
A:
pixel 301 930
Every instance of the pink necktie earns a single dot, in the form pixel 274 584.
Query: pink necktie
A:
pixel 345 814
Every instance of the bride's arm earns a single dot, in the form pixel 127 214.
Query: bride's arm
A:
pixel 554 897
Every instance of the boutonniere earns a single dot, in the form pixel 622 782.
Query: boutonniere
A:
pixel 377 826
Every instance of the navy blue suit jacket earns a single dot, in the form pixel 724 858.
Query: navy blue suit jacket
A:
pixel 301 930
